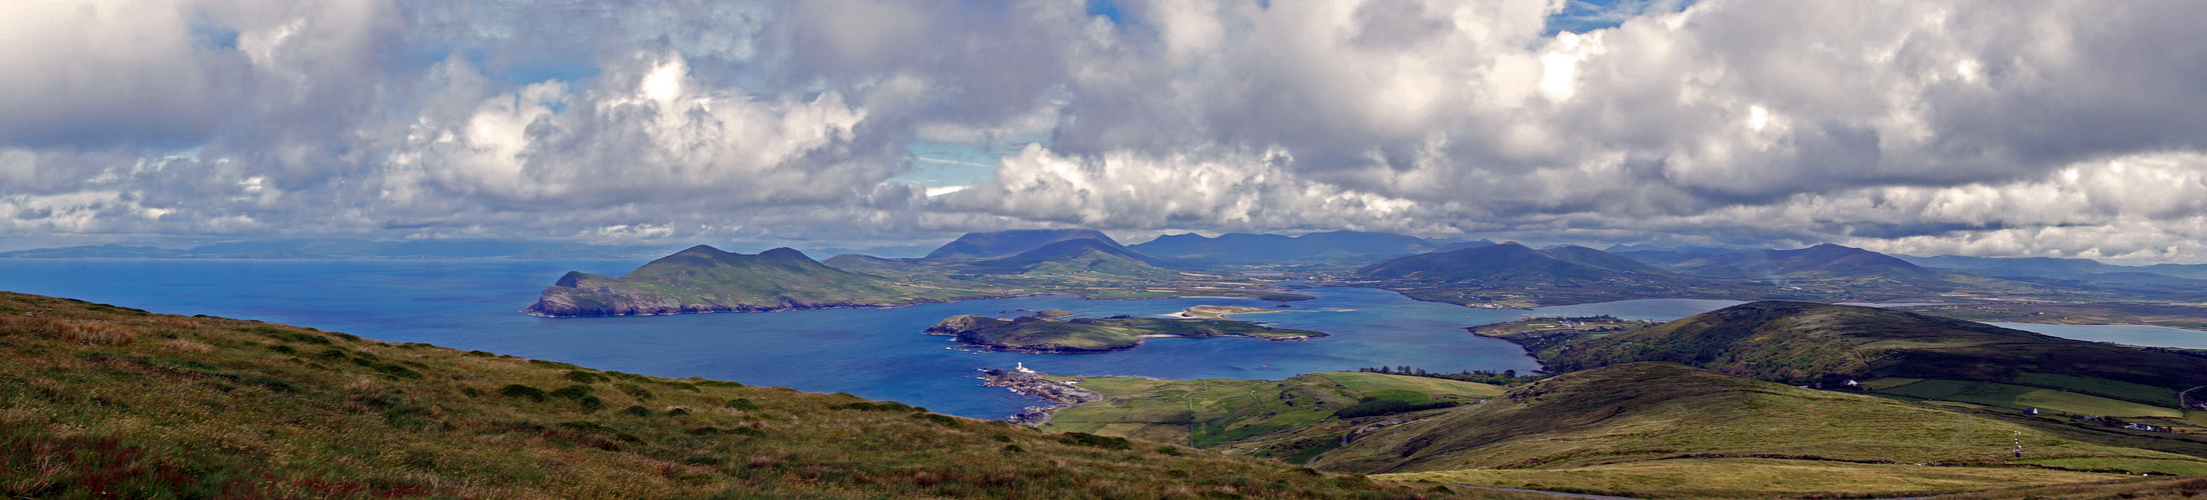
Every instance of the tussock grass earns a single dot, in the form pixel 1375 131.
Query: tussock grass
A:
pixel 273 411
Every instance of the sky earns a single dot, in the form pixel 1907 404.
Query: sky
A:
pixel 1993 128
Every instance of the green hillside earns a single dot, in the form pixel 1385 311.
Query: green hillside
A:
pixel 1257 417
pixel 102 401
pixel 705 279
pixel 1662 429
pixel 1803 342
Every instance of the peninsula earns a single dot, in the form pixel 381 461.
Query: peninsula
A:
pixel 1043 334
pixel 704 279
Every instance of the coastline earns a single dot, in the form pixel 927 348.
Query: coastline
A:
pixel 1024 381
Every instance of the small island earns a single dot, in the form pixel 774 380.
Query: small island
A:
pixel 1041 334
pixel 1219 312
pixel 1540 333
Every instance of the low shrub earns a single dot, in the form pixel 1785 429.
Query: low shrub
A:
pixel 572 391
pixel 522 391
pixel 637 410
pixel 1086 439
pixel 585 377
pixel 744 404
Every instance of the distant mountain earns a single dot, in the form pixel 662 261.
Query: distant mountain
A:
pixel 1803 342
pixel 343 248
pixel 704 279
pixel 1826 260
pixel 2065 269
pixel 1651 247
pixel 1465 244
pixel 1509 261
pixel 1245 248
pixel 1008 243
pixel 1075 256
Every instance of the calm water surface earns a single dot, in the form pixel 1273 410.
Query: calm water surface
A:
pixel 875 353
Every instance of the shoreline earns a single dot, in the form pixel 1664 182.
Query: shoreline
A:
pixel 1028 382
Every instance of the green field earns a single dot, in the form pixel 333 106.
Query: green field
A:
pixel 2016 396
pixel 2020 397
pixel 1209 412
pixel 1756 478
pixel 1931 389
pixel 2101 387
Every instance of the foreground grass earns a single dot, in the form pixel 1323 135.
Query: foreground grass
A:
pixel 101 401
pixel 1755 477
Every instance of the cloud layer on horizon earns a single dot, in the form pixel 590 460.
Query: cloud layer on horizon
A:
pixel 2042 128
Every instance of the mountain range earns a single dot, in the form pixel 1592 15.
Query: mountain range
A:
pixel 1338 246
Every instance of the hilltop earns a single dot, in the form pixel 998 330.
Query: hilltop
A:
pixel 1803 342
pixel 997 244
pixel 98 401
pixel 705 279
pixel 1666 430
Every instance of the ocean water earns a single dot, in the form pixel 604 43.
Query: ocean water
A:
pixel 874 353
pixel 2140 335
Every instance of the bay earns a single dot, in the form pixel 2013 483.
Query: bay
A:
pixel 874 353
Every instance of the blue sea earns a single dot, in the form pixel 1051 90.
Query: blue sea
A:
pixel 874 353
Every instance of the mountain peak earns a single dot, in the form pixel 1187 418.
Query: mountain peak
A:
pixel 1009 243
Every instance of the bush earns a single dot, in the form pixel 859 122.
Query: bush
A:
pixel 399 371
pixel 1086 439
pixel 744 404
pixel 872 406
pixel 591 403
pixel 637 411
pixel 523 391
pixel 585 377
pixel 573 391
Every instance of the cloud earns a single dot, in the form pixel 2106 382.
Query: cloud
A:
pixel 1963 126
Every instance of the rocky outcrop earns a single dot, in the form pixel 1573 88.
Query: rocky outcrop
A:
pixel 1029 382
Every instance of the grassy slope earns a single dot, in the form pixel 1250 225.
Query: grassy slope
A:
pixel 104 401
pixel 1212 412
pixel 1657 420
pixel 1800 342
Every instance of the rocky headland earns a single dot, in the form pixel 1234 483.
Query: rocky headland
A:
pixel 1029 382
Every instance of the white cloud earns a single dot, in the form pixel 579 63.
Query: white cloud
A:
pixel 2042 127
